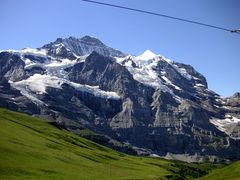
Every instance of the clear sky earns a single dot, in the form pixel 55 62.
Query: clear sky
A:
pixel 214 53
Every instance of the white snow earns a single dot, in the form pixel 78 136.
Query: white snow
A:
pixel 128 63
pixel 227 107
pixel 182 71
pixel 60 63
pixel 120 60
pixel 148 76
pixel 146 55
pixel 35 52
pixel 145 71
pixel 54 67
pixel 220 99
pixel 28 51
pixel 38 83
pixel 223 124
pixel 31 65
pixel 154 155
pixel 55 76
pixel 59 48
pixel 170 83
pixel 28 61
pixel 167 60
pixel 57 67
pixel 216 106
pixel 199 85
pixel 95 91
pixel 145 76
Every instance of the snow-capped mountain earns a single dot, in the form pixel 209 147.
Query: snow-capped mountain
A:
pixel 72 47
pixel 147 103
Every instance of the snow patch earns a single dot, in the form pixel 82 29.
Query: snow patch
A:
pixel 199 85
pixel 95 91
pixel 32 65
pixel 146 55
pixel 128 63
pixel 35 52
pixel 38 83
pixel 182 71
pixel 224 124
pixel 154 155
pixel 145 73
pixel 170 83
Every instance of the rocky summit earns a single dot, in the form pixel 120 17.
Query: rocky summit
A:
pixel 144 104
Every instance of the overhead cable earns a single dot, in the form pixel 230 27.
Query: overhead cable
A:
pixel 165 16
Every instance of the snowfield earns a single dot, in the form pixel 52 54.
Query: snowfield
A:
pixel 54 77
pixel 38 84
pixel 142 68
pixel 223 124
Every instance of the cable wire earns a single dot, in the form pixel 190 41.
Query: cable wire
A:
pixel 163 15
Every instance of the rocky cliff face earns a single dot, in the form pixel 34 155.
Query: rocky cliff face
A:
pixel 72 47
pixel 145 103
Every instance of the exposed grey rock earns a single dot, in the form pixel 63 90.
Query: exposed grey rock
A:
pixel 172 120
pixel 11 67
pixel 234 100
pixel 81 46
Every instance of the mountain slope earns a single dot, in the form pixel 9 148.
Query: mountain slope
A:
pixel 231 172
pixel 148 103
pixel 31 148
pixel 70 47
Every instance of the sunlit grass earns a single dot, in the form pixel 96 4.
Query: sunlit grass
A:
pixel 230 172
pixel 31 148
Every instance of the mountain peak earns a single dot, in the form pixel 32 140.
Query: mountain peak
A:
pixel 88 37
pixel 85 39
pixel 148 54
pixel 89 85
pixel 91 40
pixel 82 46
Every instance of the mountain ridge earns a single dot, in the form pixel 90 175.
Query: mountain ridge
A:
pixel 148 102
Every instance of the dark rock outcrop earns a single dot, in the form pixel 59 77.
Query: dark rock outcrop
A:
pixel 176 117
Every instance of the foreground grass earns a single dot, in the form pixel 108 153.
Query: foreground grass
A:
pixel 230 172
pixel 34 149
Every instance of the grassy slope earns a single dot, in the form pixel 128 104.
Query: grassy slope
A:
pixel 230 172
pixel 34 149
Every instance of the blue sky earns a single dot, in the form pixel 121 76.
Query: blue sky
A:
pixel 214 53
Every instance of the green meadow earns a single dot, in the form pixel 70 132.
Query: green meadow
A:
pixel 31 148
pixel 231 171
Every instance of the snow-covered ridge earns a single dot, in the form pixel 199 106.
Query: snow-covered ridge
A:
pixel 28 51
pixel 35 52
pixel 83 46
pixel 143 71
pixel 143 67
pixel 38 83
pixel 225 124
pixel 55 75
pixel 53 66
pixel 146 55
